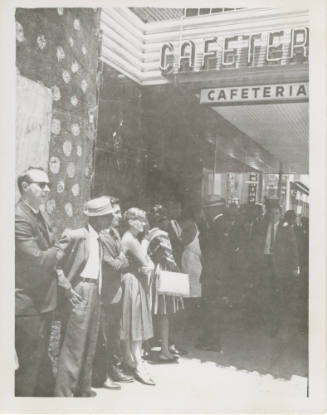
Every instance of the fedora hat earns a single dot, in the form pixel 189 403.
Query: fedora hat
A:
pixel 98 207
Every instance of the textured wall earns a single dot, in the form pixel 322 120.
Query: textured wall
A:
pixel 59 48
pixel 33 125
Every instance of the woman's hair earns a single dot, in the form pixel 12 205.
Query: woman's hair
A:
pixel 134 213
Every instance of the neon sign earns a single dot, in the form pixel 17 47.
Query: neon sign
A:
pixel 250 50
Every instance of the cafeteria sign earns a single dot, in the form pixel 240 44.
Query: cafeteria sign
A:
pixel 297 91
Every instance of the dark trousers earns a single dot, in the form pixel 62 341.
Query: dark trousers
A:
pixel 34 376
pixel 193 310
pixel 268 293
pixel 74 377
pixel 278 294
pixel 108 345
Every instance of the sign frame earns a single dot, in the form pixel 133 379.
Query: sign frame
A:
pixel 256 94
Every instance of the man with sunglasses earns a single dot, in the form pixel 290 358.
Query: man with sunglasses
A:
pixel 35 284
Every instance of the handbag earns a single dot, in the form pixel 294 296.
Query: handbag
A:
pixel 173 283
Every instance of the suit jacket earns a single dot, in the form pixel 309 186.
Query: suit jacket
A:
pixel 216 258
pixel 35 259
pixel 74 252
pixel 112 266
pixel 285 253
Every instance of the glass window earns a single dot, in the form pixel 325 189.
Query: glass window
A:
pixel 204 11
pixel 191 12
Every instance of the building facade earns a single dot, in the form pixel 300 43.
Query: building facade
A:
pixel 156 104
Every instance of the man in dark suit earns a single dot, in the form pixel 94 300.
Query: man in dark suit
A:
pixel 35 285
pixel 106 365
pixel 80 261
pixel 276 261
pixel 214 268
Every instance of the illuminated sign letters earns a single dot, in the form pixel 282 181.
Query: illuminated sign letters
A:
pixel 207 54
pixel 255 49
pixel 166 50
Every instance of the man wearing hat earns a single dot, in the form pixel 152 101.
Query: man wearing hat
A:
pixel 106 368
pixel 81 259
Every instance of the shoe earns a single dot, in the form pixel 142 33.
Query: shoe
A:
pixel 118 376
pixel 143 377
pixel 165 359
pixel 176 350
pixel 110 384
pixel 155 343
pixel 90 394
pixel 127 369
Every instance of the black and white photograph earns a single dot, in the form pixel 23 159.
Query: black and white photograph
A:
pixel 162 206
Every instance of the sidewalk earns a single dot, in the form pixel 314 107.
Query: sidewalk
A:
pixel 251 368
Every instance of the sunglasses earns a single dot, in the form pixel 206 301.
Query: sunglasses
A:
pixel 42 185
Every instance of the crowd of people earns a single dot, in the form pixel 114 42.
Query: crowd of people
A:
pixel 103 280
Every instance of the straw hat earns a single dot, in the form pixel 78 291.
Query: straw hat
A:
pixel 98 207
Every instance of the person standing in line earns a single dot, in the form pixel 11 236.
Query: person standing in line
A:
pixel 80 262
pixel 303 247
pixel 213 271
pixel 136 325
pixel 114 264
pixel 175 236
pixel 163 306
pixel 276 256
pixel 36 256
pixel 289 225
pixel 191 265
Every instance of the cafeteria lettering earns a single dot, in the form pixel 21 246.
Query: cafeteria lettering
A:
pixel 215 53
pixel 292 91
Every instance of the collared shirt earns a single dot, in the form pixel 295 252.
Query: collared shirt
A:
pixel 268 247
pixel 92 267
pixel 32 209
